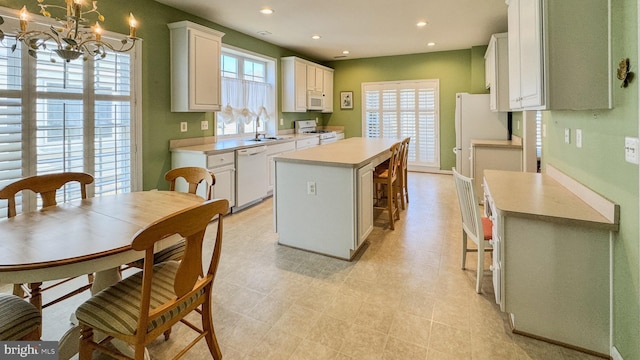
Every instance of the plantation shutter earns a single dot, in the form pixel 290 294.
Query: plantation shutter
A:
pixel 405 109
pixel 60 116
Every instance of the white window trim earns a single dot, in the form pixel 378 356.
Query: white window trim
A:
pixel 11 17
pixel 271 78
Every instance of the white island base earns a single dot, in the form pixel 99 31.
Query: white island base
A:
pixel 323 199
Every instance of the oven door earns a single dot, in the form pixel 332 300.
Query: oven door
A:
pixel 328 140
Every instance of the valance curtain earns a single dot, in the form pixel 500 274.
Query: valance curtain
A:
pixel 244 100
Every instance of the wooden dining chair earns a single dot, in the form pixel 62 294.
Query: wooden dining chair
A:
pixel 47 186
pixel 143 306
pixel 385 185
pixel 19 320
pixel 194 176
pixel 402 173
pixel 474 226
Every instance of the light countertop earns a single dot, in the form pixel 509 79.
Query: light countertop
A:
pixel 352 152
pixel 538 196
pixel 496 143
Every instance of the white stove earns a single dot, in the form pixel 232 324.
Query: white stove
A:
pixel 309 127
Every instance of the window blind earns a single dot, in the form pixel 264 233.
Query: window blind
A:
pixel 66 116
pixel 405 109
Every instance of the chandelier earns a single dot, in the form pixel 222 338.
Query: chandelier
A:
pixel 73 34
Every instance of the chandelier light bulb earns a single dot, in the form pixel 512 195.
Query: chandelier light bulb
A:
pixel 98 31
pixel 132 26
pixel 24 15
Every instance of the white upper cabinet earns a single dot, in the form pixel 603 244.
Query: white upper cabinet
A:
pixel 195 67
pixel 497 72
pixel 314 78
pixel 327 90
pixel 559 54
pixel 300 76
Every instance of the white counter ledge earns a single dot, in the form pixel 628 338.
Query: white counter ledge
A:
pixel 352 152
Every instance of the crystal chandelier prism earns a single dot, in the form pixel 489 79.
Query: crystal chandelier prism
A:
pixel 74 36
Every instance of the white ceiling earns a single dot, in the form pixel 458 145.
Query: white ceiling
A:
pixel 367 28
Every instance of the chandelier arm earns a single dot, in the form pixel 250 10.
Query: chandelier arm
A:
pixel 27 36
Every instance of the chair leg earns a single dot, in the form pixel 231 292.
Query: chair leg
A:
pixel 207 326
pixel 167 334
pixel 86 344
pixel 464 249
pixel 390 203
pixel 480 270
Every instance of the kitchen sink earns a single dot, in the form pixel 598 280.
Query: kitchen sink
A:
pixel 269 138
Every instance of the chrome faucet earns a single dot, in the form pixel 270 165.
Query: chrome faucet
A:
pixel 257 125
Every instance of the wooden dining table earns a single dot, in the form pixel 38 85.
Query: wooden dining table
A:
pixel 83 236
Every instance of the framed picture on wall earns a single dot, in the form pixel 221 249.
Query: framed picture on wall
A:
pixel 346 100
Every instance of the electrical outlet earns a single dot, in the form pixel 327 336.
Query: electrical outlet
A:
pixel 579 138
pixel 567 136
pixel 281 122
pixel 311 188
pixel 316 119
pixel 183 126
pixel 631 150
pixel 204 125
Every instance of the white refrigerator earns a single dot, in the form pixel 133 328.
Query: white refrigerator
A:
pixel 474 120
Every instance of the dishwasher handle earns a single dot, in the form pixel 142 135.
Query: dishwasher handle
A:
pixel 252 151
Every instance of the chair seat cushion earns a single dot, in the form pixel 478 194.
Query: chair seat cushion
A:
pixel 172 253
pixel 116 309
pixel 17 317
pixel 487 228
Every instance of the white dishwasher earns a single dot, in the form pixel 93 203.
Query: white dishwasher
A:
pixel 251 176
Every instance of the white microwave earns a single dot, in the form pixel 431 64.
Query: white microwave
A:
pixel 314 100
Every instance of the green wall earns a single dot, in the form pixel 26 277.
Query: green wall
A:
pixel 454 69
pixel 600 165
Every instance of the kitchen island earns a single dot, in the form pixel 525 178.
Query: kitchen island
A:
pixel 323 198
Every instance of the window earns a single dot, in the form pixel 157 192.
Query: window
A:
pixel 67 116
pixel 403 109
pixel 248 92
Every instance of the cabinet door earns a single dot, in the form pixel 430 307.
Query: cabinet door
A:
pixel 204 71
pixel 525 53
pixel 225 185
pixel 365 203
pixel 314 78
pixel 327 91
pixel 300 86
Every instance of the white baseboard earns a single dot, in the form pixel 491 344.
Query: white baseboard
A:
pixel 615 355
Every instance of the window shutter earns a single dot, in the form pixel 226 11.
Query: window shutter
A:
pixel 405 109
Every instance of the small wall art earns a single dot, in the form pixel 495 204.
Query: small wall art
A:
pixel 346 100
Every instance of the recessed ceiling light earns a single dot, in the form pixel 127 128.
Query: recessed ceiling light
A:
pixel 431 44
pixel 266 11
pixel 421 23
pixel 345 52
pixel 316 37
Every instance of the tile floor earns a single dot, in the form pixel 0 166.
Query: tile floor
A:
pixel 404 297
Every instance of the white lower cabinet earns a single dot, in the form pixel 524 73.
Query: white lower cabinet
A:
pixel 365 203
pixel 307 142
pixel 223 168
pixel 274 150
pixel 222 165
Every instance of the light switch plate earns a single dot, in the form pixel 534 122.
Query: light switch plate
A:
pixel 579 138
pixel 631 150
pixel 183 126
pixel 567 136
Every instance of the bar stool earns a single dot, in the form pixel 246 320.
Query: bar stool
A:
pixel 385 183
